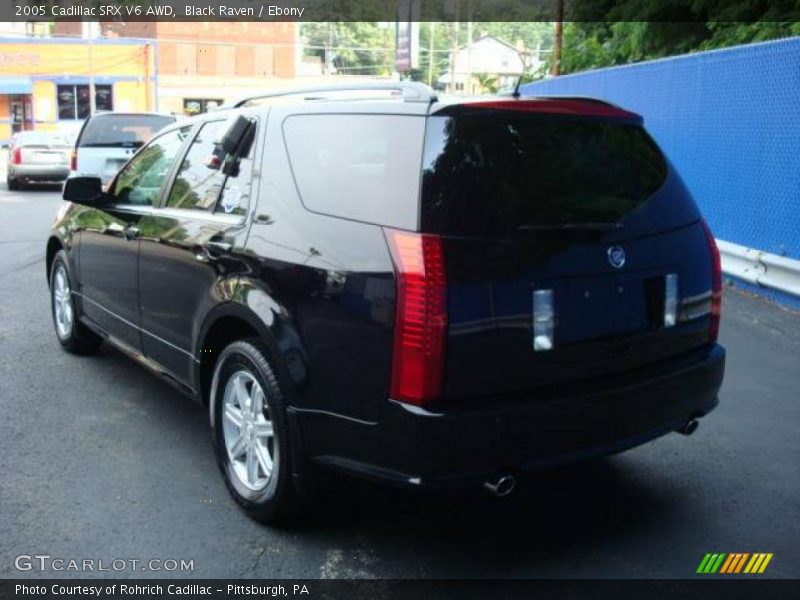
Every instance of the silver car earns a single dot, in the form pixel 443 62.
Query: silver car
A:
pixel 37 157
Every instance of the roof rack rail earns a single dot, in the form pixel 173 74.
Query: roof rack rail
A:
pixel 411 91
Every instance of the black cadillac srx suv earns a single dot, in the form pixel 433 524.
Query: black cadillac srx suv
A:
pixel 426 293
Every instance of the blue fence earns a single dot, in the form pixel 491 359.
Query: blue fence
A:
pixel 730 121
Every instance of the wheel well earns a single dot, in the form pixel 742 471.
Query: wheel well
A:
pixel 53 246
pixel 223 331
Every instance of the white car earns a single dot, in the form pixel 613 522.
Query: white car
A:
pixel 107 140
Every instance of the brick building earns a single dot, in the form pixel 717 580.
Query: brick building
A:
pixel 198 64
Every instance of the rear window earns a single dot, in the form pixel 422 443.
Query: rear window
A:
pixel 499 175
pixel 36 138
pixel 123 131
pixel 360 167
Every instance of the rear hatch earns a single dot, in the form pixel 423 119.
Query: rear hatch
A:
pixel 44 149
pixel 563 212
pixel 107 141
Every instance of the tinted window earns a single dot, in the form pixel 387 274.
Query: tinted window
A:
pixel 361 167
pixel 124 131
pixel 200 178
pixel 140 181
pixel 497 175
pixel 206 170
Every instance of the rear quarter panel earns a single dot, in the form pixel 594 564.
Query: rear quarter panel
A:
pixel 324 286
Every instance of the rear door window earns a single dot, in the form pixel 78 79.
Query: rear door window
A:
pixel 359 167
pixel 501 175
pixel 121 131
pixel 211 180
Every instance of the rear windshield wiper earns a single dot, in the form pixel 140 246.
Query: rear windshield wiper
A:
pixel 571 226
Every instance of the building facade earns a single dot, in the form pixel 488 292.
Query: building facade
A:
pixel 181 68
pixel 45 82
pixel 201 64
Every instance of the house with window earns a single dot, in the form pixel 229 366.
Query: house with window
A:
pixel 487 59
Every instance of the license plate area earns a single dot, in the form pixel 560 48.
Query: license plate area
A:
pixel 49 158
pixel 601 306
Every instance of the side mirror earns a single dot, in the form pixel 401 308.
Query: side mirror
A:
pixel 235 134
pixel 83 190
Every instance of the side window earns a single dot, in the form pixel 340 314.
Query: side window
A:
pixel 139 182
pixel 361 167
pixel 209 179
pixel 200 177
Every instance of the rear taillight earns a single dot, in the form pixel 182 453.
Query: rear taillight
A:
pixel 716 284
pixel 421 317
pixel 16 155
pixel 73 161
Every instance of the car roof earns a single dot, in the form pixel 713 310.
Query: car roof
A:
pixel 131 114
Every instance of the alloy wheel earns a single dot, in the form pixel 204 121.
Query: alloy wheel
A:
pixel 247 431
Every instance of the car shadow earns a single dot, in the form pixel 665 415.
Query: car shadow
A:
pixel 40 187
pixel 550 512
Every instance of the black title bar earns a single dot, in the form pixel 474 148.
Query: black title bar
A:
pixel 400 10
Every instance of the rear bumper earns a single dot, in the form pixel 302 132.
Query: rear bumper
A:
pixel 40 172
pixel 467 445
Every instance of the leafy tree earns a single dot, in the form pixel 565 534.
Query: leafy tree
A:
pixel 648 30
pixel 486 83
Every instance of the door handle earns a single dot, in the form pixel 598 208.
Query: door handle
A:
pixel 131 232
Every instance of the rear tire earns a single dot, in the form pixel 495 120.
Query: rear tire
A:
pixel 12 184
pixel 251 434
pixel 73 335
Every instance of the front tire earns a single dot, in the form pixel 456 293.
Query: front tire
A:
pixel 251 433
pixel 73 335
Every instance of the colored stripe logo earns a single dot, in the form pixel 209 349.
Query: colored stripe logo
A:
pixel 733 563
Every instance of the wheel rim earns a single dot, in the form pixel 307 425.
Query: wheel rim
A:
pixel 247 431
pixel 62 303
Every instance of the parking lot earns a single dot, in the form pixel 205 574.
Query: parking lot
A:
pixel 100 460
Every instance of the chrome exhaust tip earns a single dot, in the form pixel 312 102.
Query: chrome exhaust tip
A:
pixel 502 486
pixel 689 427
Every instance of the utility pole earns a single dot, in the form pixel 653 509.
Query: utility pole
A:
pixel 468 86
pixel 92 99
pixel 555 68
pixel 454 52
pixel 432 27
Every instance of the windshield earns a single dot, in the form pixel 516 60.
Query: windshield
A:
pixel 125 131
pixel 499 175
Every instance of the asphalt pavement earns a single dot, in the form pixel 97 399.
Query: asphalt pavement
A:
pixel 99 460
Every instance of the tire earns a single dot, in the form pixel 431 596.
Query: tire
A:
pixel 12 184
pixel 73 335
pixel 256 466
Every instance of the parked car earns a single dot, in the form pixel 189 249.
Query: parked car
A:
pixel 107 140
pixel 425 293
pixel 37 157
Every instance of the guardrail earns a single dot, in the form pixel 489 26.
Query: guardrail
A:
pixel 760 268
